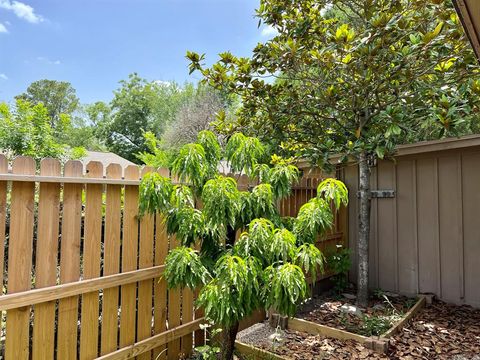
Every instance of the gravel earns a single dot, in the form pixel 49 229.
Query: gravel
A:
pixel 256 334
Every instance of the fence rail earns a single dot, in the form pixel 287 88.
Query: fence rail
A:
pixel 81 272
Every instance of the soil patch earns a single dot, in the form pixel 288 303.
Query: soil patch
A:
pixel 301 346
pixel 340 311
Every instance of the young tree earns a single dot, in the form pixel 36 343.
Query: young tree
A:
pixel 265 266
pixel 355 78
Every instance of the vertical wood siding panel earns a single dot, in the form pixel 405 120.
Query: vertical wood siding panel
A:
pixel 373 246
pixel 406 230
pixel 427 224
pixel 471 226
pixel 385 226
pixel 450 227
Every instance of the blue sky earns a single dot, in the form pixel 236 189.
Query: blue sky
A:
pixel 95 43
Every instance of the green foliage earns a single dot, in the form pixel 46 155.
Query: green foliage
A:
pixel 220 198
pixel 184 268
pixel 334 190
pixel 265 266
pixel 58 97
pixel 232 294
pixel 351 77
pixel 340 263
pixel 285 287
pixel 190 163
pixel 311 259
pixel 282 176
pixel 25 129
pixel 282 247
pixel 141 106
pixel 155 156
pixel 313 218
pixel 155 192
pixel 244 153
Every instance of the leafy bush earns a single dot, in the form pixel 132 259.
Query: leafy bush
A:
pixel 266 265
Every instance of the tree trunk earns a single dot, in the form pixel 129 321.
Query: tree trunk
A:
pixel 228 342
pixel 363 231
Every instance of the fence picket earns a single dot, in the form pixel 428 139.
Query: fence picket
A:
pixel 145 288
pixel 160 285
pixel 111 262
pixel 91 262
pixel 129 258
pixel 20 259
pixel 46 260
pixel 70 262
pixel 174 312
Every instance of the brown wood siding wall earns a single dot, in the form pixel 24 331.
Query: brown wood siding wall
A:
pixel 427 238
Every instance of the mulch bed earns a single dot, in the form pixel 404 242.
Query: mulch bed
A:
pixel 384 309
pixel 441 331
pixel 301 346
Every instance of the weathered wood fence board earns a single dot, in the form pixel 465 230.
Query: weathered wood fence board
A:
pixel 83 278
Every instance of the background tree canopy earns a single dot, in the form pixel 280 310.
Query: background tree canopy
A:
pixel 172 113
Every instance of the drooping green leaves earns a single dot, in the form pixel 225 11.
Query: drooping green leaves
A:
pixel 191 164
pixel 282 177
pixel 243 153
pixel 285 287
pixel 262 201
pixel 213 152
pixel 333 190
pixel 183 268
pixel 221 202
pixel 155 192
pixel 233 294
pixel 265 265
pixel 282 247
pixel 315 217
pixel 311 259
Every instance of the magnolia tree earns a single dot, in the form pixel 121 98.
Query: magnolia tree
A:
pixel 266 265
pixel 354 78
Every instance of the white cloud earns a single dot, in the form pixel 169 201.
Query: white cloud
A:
pixel 48 61
pixel 3 29
pixel 3 77
pixel 269 31
pixel 22 10
pixel 162 82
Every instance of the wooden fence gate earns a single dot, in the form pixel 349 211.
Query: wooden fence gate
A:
pixel 81 273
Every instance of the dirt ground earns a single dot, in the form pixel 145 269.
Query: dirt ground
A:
pixel 441 331
pixel 383 311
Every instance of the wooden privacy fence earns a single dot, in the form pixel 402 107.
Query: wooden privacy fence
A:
pixel 81 272
pixel 425 239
